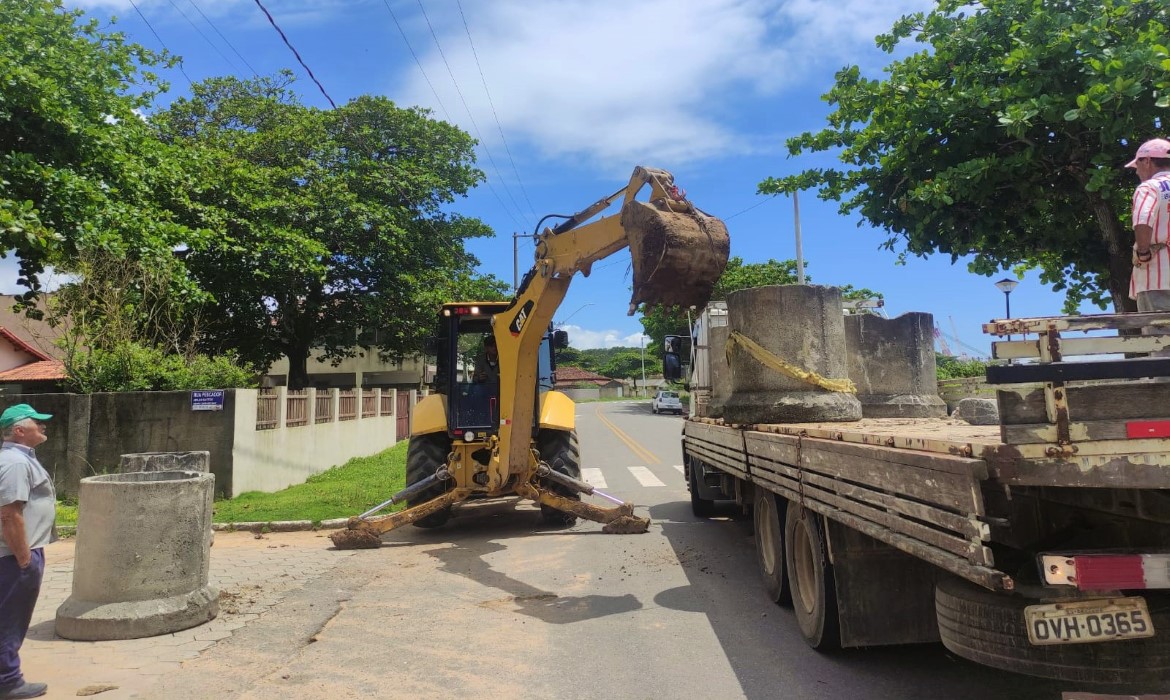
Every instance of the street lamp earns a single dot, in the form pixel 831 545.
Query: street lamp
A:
pixel 1006 285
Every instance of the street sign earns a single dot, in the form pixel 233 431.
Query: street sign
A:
pixel 207 400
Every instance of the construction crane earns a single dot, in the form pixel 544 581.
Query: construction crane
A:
pixel 968 351
pixel 942 342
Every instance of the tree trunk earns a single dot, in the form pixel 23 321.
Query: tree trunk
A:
pixel 1118 245
pixel 298 368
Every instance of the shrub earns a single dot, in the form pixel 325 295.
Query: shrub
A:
pixel 136 367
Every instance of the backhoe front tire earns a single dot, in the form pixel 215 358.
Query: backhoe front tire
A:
pixel 559 448
pixel 426 454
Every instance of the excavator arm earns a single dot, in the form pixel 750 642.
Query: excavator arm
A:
pixel 678 253
pixel 653 231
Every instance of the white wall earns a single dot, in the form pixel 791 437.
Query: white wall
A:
pixel 270 460
pixel 582 394
pixel 11 357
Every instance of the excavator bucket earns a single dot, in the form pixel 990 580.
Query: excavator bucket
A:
pixel 678 252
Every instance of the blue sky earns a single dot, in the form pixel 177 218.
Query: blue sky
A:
pixel 584 90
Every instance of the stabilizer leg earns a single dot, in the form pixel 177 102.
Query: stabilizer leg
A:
pixel 618 520
pixel 366 533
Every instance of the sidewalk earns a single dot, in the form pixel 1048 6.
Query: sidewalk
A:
pixel 253 575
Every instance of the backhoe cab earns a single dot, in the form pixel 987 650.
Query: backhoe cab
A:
pixel 496 427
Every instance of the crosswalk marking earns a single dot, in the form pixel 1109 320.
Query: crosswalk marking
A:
pixel 645 477
pixel 594 478
pixel 679 467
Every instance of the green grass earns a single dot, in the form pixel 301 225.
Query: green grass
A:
pixel 66 513
pixel 340 492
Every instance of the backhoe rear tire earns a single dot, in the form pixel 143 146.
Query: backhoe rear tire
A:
pixel 426 454
pixel 559 448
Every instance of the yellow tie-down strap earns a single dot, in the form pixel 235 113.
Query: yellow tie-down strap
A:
pixel 844 386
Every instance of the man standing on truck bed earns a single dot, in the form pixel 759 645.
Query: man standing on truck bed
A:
pixel 1150 282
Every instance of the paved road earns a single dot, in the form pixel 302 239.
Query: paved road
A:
pixel 496 605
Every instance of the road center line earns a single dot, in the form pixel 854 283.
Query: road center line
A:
pixel 640 451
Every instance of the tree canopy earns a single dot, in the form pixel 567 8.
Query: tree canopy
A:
pixel 78 167
pixel 330 223
pixel 1003 137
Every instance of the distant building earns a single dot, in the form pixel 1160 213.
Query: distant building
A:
pixel 366 370
pixel 580 384
pixel 30 361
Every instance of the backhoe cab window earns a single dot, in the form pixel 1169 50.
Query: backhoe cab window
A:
pixel 476 400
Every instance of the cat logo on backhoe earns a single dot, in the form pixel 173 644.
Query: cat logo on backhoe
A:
pixel 518 322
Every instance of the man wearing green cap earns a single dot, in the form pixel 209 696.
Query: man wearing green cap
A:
pixel 28 509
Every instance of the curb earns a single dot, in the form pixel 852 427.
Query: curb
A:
pixel 275 526
pixel 281 526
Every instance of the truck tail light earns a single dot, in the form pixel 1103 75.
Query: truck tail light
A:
pixel 1100 572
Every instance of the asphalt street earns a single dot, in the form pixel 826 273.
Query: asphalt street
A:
pixel 495 604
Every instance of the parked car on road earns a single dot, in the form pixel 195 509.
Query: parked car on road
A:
pixel 666 401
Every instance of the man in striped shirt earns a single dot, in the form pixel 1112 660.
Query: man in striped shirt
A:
pixel 1150 282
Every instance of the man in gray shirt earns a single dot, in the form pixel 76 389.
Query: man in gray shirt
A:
pixel 28 510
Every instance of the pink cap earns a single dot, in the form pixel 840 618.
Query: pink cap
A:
pixel 1154 148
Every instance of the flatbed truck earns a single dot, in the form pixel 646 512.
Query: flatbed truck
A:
pixel 1040 545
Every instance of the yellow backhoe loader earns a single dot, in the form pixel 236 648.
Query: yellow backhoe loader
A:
pixel 496 427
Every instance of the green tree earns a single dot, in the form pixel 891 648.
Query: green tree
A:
pixel 332 222
pixel 627 363
pixel 78 168
pixel 660 322
pixel 950 367
pixel 1003 137
pixel 125 326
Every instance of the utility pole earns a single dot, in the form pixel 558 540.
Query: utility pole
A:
pixel 642 342
pixel 799 248
pixel 515 263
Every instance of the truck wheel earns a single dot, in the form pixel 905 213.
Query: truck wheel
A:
pixel 810 578
pixel 770 547
pixel 701 507
pixel 989 628
pixel 425 454
pixel 560 449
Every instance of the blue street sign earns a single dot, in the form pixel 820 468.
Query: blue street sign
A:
pixel 207 400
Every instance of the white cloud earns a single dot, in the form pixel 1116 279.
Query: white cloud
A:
pixel 51 280
pixel 584 339
pixel 286 12
pixel 613 82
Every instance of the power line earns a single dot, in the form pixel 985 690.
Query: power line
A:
pixel 416 61
pixel 447 115
pixel 466 108
pixel 160 41
pixel 295 53
pixel 225 39
pixel 199 31
pixel 495 116
pixel 744 211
